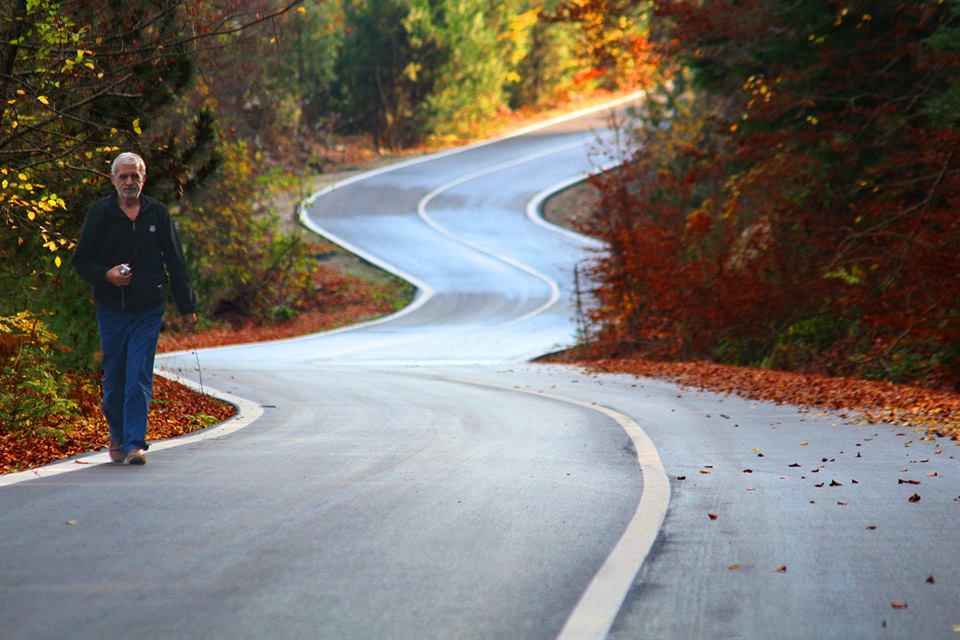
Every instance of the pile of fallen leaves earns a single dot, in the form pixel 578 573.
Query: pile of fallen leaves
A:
pixel 936 411
pixel 175 410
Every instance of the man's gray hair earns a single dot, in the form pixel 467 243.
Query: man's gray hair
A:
pixel 127 158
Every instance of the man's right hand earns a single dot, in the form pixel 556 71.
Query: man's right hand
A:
pixel 117 280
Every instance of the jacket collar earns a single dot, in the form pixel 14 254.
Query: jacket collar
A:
pixel 114 210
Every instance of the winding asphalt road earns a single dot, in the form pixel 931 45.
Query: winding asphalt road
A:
pixel 416 477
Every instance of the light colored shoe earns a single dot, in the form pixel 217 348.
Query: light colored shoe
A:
pixel 137 456
pixel 116 453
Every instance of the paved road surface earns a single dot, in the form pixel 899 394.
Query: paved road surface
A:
pixel 416 478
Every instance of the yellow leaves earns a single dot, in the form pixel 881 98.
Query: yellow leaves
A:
pixel 30 327
pixel 57 261
pixel 840 16
pixel 136 126
pixel 758 89
pixel 301 10
pixel 813 120
pixel 43 100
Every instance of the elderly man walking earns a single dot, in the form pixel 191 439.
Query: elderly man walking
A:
pixel 129 251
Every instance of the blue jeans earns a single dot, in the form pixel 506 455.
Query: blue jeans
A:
pixel 129 343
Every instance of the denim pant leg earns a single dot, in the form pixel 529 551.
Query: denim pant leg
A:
pixel 128 342
pixel 114 327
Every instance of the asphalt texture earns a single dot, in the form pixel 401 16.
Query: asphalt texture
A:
pixel 417 478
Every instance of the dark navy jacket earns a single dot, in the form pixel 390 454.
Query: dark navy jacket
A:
pixel 149 245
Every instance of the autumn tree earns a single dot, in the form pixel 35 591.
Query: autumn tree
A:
pixel 799 209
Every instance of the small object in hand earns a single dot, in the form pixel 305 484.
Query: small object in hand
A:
pixel 125 270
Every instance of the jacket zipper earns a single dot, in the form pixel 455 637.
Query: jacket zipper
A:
pixel 123 293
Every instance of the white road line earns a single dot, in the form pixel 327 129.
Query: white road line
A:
pixel 600 603
pixel 422 212
pixel 248 412
pixel 535 206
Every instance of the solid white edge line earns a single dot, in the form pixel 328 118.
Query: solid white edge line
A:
pixel 599 605
pixel 248 412
pixel 535 206
pixel 597 609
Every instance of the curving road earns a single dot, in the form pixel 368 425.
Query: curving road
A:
pixel 417 478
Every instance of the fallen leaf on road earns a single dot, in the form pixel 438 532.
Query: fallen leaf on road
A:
pixel 704 472
pixel 681 477
pixel 932 580
pixel 871 527
pixel 795 464
pixel 734 566
pixel 902 481
pixel 914 498
pixel 898 604
pixel 70 522
pixel 842 504
pixel 80 462
pixel 819 484
pixel 748 470
pixel 932 474
pixel 803 444
pixel 712 516
pixel 834 483
pixel 780 568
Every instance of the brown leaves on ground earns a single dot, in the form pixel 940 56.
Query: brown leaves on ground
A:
pixel 175 410
pixel 936 411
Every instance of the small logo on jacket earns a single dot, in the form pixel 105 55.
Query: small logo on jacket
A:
pixel 153 228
